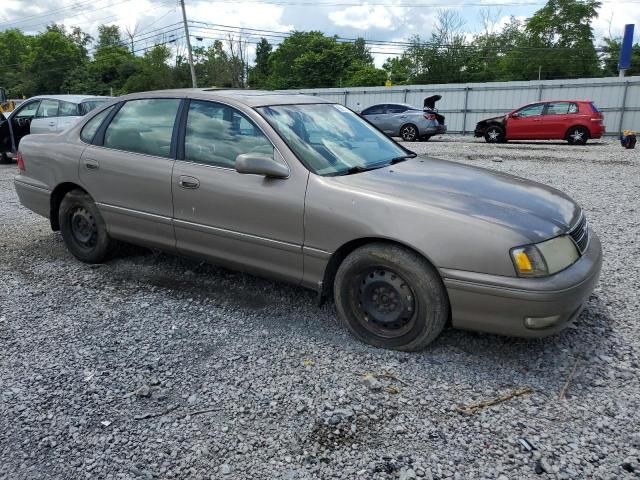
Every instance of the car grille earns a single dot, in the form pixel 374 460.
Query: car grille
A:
pixel 580 234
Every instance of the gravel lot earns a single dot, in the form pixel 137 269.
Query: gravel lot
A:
pixel 154 367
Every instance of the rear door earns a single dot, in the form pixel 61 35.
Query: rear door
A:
pixel 46 119
pixel 245 221
pixel 68 115
pixel 557 118
pixel 526 124
pixel 395 117
pixel 127 170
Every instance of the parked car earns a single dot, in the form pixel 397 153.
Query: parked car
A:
pixel 573 120
pixel 42 114
pixel 301 189
pixel 405 121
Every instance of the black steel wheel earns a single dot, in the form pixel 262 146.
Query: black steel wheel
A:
pixel 83 228
pixel 390 297
pixel 409 132
pixel 494 134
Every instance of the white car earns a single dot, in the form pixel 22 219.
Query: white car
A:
pixel 43 114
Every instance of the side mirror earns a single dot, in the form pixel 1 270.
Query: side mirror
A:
pixel 514 115
pixel 261 164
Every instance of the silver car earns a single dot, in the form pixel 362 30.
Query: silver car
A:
pixel 405 121
pixel 43 114
pixel 303 190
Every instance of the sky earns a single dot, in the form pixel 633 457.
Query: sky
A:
pixel 389 20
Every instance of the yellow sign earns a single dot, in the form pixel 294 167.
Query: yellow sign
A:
pixel 388 83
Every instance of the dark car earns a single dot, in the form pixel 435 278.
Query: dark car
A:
pixel 573 120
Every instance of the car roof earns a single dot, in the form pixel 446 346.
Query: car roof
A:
pixel 394 103
pixel 251 98
pixel 70 98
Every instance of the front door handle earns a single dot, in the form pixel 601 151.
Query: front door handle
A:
pixel 91 164
pixel 186 181
pixel 52 124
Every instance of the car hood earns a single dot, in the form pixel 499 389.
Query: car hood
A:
pixel 499 118
pixel 535 211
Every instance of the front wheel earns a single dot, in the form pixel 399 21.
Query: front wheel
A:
pixel 409 132
pixel 494 134
pixel 83 228
pixel 577 136
pixel 390 297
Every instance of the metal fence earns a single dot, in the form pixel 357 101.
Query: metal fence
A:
pixel 465 104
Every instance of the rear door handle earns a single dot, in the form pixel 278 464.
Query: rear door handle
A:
pixel 186 181
pixel 91 164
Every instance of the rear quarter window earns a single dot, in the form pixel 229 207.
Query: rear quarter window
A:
pixel 594 108
pixel 90 129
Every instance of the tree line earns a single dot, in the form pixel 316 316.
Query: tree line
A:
pixel 556 42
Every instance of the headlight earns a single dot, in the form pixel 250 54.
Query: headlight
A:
pixel 544 258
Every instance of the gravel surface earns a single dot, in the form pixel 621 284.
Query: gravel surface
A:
pixel 154 367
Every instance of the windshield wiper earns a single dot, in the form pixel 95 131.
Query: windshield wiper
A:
pixel 395 160
pixel 359 169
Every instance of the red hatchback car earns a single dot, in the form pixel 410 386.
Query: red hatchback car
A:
pixel 573 120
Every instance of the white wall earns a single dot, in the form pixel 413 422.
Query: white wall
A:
pixel 465 104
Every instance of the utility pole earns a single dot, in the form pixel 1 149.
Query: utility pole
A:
pixel 186 33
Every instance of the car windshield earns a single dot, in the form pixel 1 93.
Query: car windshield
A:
pixel 332 140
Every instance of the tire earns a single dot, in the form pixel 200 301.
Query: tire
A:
pixel 390 297
pixel 577 136
pixel 494 134
pixel 83 228
pixel 409 132
pixel 4 159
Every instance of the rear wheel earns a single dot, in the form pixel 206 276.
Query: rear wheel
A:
pixel 494 134
pixel 83 228
pixel 577 136
pixel 409 132
pixel 390 297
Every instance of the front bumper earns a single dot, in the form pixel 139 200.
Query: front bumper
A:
pixel 496 304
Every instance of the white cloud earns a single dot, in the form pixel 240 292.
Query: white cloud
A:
pixel 365 16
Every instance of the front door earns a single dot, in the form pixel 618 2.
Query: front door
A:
pixel 20 121
pixel 127 171
pixel 46 119
pixel 526 123
pixel 244 221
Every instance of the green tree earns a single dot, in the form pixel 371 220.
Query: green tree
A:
pixel 260 72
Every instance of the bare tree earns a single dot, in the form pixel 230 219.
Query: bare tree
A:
pixel 490 20
pixel 238 48
pixel 132 32
pixel 448 26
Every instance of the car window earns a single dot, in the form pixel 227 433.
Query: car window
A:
pixel 573 108
pixel 89 105
pixel 28 110
pixel 375 110
pixel 67 109
pixel 396 108
pixel 143 126
pixel 216 134
pixel 531 110
pixel 90 129
pixel 47 108
pixel 559 108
